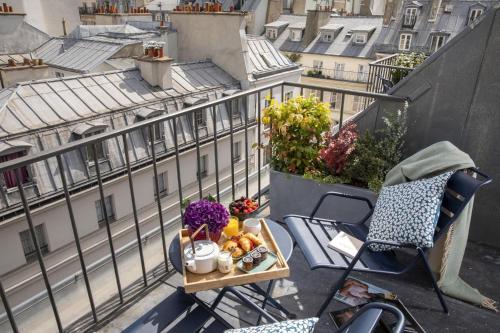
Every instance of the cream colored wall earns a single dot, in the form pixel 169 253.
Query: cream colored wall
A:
pixel 329 61
pixel 55 216
pixel 12 75
pixel 114 19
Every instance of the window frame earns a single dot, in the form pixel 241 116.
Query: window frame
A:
pixel 200 121
pixel 203 166
pixel 237 147
pixel 327 36
pixel 475 11
pixel 360 34
pixel 162 184
pixel 407 41
pixel 435 42
pixel 102 151
pixel 27 242
pixel 26 171
pixel 271 33
pixel 295 35
pixel 110 211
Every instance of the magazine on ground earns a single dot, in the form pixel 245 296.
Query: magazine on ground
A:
pixel 357 292
pixel 345 244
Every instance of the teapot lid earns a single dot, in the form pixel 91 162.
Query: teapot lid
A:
pixel 204 248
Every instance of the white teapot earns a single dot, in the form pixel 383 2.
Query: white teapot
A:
pixel 201 256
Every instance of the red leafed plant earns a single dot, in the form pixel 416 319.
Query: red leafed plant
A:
pixel 338 147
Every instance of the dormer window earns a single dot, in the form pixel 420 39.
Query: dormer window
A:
pixel 152 112
pixel 272 33
pixel 199 116
pixel 295 35
pixel 410 17
pixel 86 130
pixel 327 37
pixel 474 14
pixel 10 150
pixel 437 40
pixel 360 38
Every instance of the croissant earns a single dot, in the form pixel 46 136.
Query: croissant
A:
pixel 246 244
pixel 254 239
pixel 230 245
pixel 237 252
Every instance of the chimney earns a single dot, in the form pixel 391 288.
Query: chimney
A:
pixel 274 10
pixel 299 7
pixel 315 19
pixel 156 71
pixel 218 36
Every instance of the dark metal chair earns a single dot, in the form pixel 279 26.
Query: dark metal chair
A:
pixel 313 235
pixel 367 318
pixel 386 84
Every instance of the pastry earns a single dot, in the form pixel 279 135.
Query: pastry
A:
pixel 245 244
pixel 238 236
pixel 229 245
pixel 237 252
pixel 255 240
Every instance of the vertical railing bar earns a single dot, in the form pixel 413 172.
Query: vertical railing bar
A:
pixel 259 146
pixel 106 220
pixel 216 153
pixel 301 91
pixel 282 93
pixel 134 209
pixel 246 145
pixel 8 310
pixel 76 236
pixel 198 157
pixel 231 141
pixel 177 163
pixel 37 249
pixel 158 199
pixel 341 119
pixel 321 92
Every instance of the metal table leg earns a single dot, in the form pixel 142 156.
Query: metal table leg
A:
pixel 268 298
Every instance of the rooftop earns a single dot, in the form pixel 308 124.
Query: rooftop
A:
pixel 342 45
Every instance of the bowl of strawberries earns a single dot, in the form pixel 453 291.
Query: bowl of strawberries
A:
pixel 243 208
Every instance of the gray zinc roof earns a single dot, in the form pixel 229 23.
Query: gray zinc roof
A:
pixel 265 59
pixel 342 44
pixel 276 24
pixel 47 113
pixel 17 36
pixel 449 23
pixel 78 55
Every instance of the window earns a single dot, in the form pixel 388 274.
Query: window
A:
pixel 295 35
pixel 110 211
pixel 317 64
pixel 159 134
pixel 410 13
pixel 327 37
pixel 203 166
pixel 437 42
pixel 474 14
pixel 59 74
pixel 339 71
pixel 29 248
pixel 236 151
pixel 271 33
pixel 288 95
pixel 335 101
pixel 9 176
pixel 405 42
pixel 200 118
pixel 267 155
pixel 162 184
pixel 362 73
pixel 360 38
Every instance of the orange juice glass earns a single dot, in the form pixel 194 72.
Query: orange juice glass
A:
pixel 233 227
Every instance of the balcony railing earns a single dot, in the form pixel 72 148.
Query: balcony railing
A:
pixel 383 74
pixel 94 288
pixel 333 74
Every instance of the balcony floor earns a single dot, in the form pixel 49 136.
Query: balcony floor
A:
pixel 301 293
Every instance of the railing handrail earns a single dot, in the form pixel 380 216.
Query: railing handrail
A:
pixel 70 146
pixel 376 62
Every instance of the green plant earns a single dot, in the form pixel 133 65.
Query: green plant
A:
pixel 294 57
pixel 297 128
pixel 407 60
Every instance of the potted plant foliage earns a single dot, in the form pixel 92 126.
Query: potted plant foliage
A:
pixel 309 159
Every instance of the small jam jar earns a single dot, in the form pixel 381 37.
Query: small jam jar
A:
pixel 225 262
pixel 247 263
pixel 257 258
pixel 263 252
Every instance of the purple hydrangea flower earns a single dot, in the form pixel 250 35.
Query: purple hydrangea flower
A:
pixel 204 211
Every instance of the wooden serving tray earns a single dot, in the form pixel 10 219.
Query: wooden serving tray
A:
pixel 201 282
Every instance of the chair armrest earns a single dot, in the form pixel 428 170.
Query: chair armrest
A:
pixel 377 305
pixel 346 196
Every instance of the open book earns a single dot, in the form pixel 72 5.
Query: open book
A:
pixel 345 244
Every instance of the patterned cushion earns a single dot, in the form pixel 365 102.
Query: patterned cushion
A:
pixel 290 326
pixel 408 212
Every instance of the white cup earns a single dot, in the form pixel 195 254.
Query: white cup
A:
pixel 252 225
